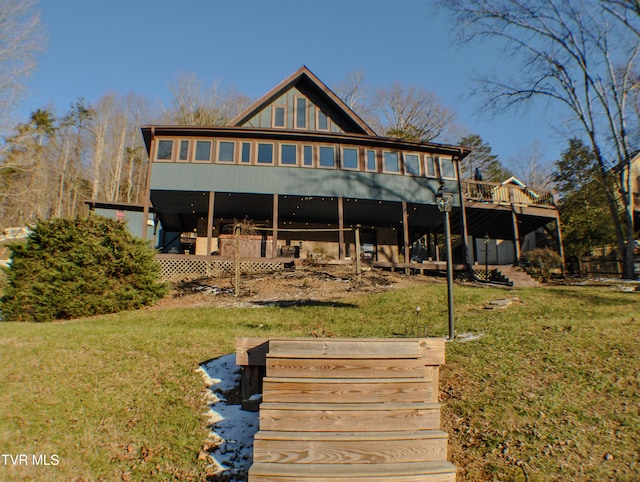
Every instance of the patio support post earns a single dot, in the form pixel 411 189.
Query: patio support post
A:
pixel 147 189
pixel 405 235
pixel 516 235
pixel 210 221
pixel 561 247
pixel 341 247
pixel 274 241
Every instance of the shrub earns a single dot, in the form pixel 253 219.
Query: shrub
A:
pixel 70 268
pixel 541 262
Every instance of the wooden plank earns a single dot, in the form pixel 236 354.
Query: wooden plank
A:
pixel 349 417
pixel 345 367
pixel 338 390
pixel 416 471
pixel 430 349
pixel 349 447
pixel 251 351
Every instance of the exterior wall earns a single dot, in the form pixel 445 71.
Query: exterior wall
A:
pixel 264 118
pixel 297 181
pixel 133 220
pixel 387 245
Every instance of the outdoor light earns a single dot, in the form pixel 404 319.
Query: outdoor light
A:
pixel 486 257
pixel 444 201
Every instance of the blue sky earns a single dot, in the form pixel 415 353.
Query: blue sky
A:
pixel 142 46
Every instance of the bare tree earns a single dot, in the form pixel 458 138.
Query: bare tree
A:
pixel 581 56
pixel 192 104
pixel 412 112
pixel 357 95
pixel 21 38
pixel 531 168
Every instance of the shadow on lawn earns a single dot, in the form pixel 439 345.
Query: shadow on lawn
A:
pixel 294 303
pixel 612 295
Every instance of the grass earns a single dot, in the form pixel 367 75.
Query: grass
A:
pixel 549 392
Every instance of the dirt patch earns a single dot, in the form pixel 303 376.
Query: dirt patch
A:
pixel 286 288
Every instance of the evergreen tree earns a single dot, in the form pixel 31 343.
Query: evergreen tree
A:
pixel 584 213
pixel 481 160
pixel 70 268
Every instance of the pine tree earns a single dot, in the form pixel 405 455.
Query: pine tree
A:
pixel 70 268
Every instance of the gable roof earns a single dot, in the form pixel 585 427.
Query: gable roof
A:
pixel 303 76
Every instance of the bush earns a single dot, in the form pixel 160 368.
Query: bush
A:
pixel 70 268
pixel 541 262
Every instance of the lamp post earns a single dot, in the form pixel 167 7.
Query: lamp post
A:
pixel 444 201
pixel 486 257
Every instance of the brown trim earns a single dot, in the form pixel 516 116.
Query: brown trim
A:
pixel 321 88
pixel 306 136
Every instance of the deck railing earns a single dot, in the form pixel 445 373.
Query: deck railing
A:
pixel 494 192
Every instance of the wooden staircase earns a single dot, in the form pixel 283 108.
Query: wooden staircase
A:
pixel 351 410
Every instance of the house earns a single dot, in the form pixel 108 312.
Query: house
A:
pixel 314 180
pixel 634 178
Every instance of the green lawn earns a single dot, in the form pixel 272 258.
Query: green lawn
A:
pixel 549 392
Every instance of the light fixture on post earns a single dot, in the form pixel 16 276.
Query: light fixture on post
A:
pixel 444 201
pixel 486 257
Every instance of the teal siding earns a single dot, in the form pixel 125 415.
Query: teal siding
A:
pixel 263 118
pixel 296 181
pixel 133 219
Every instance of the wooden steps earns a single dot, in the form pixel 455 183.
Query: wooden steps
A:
pixel 349 410
pixel 413 472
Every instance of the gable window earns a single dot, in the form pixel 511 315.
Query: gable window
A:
pixel 278 116
pixel 245 156
pixel 288 154
pixel 301 113
pixel 203 151
pixel 265 153
pixel 327 156
pixel 165 150
pixel 184 151
pixel 323 121
pixel 431 166
pixel 349 158
pixel 447 169
pixel 412 164
pixel 307 152
pixel 225 151
pixel 391 162
pixel 372 165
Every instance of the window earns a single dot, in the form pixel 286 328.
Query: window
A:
pixel 301 113
pixel 278 116
pixel 412 164
pixel 323 121
pixel 308 155
pixel 246 153
pixel 265 153
pixel 350 158
pixel 447 169
pixel 184 151
pixel 203 151
pixel 372 165
pixel 431 166
pixel 165 150
pixel 288 154
pixel 327 157
pixel 225 151
pixel 391 162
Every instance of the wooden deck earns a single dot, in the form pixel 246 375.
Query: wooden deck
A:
pixel 347 409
